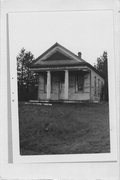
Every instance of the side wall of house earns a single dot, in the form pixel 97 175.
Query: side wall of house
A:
pixel 96 86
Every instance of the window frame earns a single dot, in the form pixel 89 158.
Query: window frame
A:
pixel 95 86
pixel 79 81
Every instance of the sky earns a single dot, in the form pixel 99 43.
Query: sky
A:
pixel 88 32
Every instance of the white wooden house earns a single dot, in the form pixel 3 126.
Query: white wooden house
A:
pixel 64 76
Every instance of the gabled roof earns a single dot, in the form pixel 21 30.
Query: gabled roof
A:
pixel 64 55
pixel 57 55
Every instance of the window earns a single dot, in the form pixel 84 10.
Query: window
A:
pixel 98 87
pixel 71 80
pixel 79 82
pixel 95 85
pixel 52 83
pixel 45 82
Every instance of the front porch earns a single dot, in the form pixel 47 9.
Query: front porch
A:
pixel 64 85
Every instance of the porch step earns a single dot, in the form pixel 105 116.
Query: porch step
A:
pixel 58 101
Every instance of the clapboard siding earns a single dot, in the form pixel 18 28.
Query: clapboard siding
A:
pixel 41 93
pixel 99 83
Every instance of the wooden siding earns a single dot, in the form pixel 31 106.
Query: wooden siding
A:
pixel 96 96
pixel 42 95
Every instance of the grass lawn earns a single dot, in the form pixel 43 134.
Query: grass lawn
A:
pixel 64 129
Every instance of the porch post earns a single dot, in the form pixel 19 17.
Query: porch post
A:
pixel 48 84
pixel 66 84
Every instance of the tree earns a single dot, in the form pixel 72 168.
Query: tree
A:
pixel 25 77
pixel 102 67
pixel 24 59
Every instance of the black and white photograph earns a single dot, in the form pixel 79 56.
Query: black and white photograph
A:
pixel 59 90
pixel 62 61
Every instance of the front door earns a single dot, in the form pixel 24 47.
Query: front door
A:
pixel 57 86
pixel 61 87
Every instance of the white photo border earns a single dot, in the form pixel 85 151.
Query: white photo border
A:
pixel 96 157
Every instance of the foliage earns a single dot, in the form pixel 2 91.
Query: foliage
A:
pixel 24 59
pixel 102 67
pixel 26 78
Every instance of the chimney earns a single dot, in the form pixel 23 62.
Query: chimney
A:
pixel 79 54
